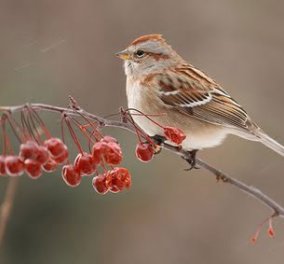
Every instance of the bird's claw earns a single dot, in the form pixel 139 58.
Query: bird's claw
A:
pixel 191 160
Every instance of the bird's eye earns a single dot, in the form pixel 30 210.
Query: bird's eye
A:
pixel 139 53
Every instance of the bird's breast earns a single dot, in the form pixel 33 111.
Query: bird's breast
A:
pixel 143 99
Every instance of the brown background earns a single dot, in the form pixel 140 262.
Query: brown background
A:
pixel 50 49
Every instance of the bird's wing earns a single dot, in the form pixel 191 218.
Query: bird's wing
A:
pixel 191 92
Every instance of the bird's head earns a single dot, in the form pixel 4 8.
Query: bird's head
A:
pixel 147 54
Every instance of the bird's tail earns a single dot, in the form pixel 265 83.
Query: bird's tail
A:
pixel 269 142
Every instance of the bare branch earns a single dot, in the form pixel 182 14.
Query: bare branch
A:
pixel 277 209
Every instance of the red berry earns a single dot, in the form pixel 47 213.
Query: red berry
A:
pixel 2 165
pixel 28 150
pixel 116 184
pixel 33 168
pixel 96 153
pixel 84 164
pixel 50 166
pixel 120 178
pixel 107 152
pixel 144 152
pixel 62 157
pixel 31 150
pixel 124 176
pixel 14 166
pixel 55 146
pixel 71 176
pixel 100 185
pixel 42 155
pixel 174 134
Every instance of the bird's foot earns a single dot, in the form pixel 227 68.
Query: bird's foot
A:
pixel 191 159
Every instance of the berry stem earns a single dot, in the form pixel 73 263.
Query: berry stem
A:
pixel 73 134
pixel 85 132
pixel 34 128
pixel 139 132
pixel 14 126
pixel 40 121
pixel 147 116
pixel 96 133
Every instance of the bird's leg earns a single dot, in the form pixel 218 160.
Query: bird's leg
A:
pixel 159 140
pixel 191 159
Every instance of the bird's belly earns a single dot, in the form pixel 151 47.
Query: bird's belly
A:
pixel 201 141
pixel 198 136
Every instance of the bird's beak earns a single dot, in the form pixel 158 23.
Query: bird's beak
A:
pixel 124 55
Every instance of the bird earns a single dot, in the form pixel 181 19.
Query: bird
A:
pixel 161 84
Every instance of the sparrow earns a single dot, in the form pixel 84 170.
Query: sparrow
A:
pixel 161 84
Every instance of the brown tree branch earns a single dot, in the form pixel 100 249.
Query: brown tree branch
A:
pixel 277 209
pixel 6 206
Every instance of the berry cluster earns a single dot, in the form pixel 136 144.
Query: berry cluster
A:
pixel 114 180
pixel 146 150
pixel 105 152
pixel 34 158
pixel 39 151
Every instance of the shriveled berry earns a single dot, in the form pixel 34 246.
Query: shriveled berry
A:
pixel 117 179
pixel 50 166
pixel 174 134
pixel 121 178
pixel 55 146
pixel 14 166
pixel 116 184
pixel 33 168
pixel 144 152
pixel 99 184
pixel 71 176
pixel 28 150
pixel 271 232
pixel 84 164
pixel 62 157
pixel 107 152
pixel 2 165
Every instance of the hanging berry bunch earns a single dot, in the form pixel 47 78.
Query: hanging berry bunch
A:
pixel 40 152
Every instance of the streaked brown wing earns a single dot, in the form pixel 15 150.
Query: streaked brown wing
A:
pixel 192 93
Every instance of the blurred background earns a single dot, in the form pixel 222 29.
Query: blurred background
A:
pixel 52 49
